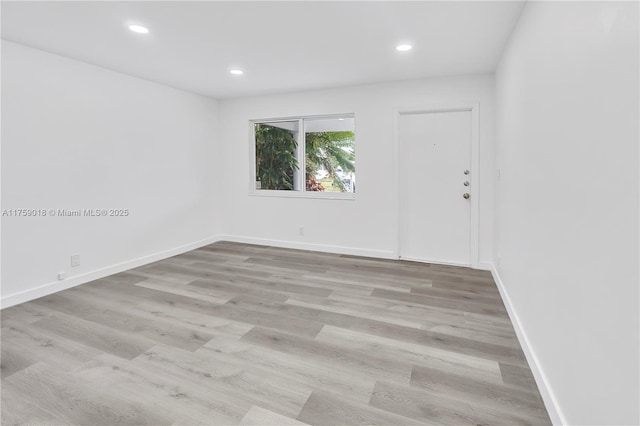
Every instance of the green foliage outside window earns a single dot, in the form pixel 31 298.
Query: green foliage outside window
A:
pixel 275 157
pixel 329 151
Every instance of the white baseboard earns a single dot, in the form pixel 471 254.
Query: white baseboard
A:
pixel 53 287
pixel 550 401
pixel 384 254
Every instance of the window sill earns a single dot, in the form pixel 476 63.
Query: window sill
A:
pixel 318 195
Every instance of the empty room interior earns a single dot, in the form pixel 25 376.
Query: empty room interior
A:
pixel 320 213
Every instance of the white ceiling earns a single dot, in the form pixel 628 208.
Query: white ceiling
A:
pixel 281 46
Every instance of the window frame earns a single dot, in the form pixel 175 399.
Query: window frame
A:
pixel 300 157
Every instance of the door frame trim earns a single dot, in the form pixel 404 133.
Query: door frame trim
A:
pixel 474 108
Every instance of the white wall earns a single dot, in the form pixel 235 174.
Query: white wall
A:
pixel 567 202
pixel 367 225
pixel 76 136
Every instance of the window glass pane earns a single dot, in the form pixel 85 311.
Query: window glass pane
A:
pixel 330 164
pixel 276 149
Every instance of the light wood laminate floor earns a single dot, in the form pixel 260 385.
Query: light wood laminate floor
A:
pixel 235 334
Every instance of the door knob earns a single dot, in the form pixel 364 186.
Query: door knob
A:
pixel 466 195
pixel 466 172
pixel 466 183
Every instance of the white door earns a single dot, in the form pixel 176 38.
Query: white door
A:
pixel 435 163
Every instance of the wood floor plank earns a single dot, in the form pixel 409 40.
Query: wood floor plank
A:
pixel 384 348
pixel 132 294
pixel 15 408
pixel 458 294
pixel 407 334
pixel 327 352
pixel 479 308
pixel 326 409
pixel 95 335
pixel 63 397
pixel 320 374
pixel 441 408
pixel 197 321
pixel 169 394
pixel 499 324
pixel 350 288
pixel 25 313
pixel 477 391
pixel 258 416
pixel 343 308
pixel 483 288
pixel 285 265
pixel 184 290
pixel 519 376
pixel 13 360
pixel 236 381
pixel 431 313
pixel 266 288
pixel 443 341
pixel 268 320
pixel 41 345
pixel 95 310
pixel 473 333
pixel 122 278
pixel 234 333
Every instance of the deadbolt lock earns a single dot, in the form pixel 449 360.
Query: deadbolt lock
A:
pixel 466 195
pixel 466 172
pixel 466 183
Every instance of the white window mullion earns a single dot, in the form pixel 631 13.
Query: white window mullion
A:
pixel 298 176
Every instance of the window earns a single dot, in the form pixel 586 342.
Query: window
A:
pixel 311 156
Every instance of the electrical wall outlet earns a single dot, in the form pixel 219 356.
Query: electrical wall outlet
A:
pixel 301 230
pixel 75 260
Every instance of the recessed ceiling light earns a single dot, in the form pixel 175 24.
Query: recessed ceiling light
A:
pixel 403 47
pixel 139 29
pixel 236 72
